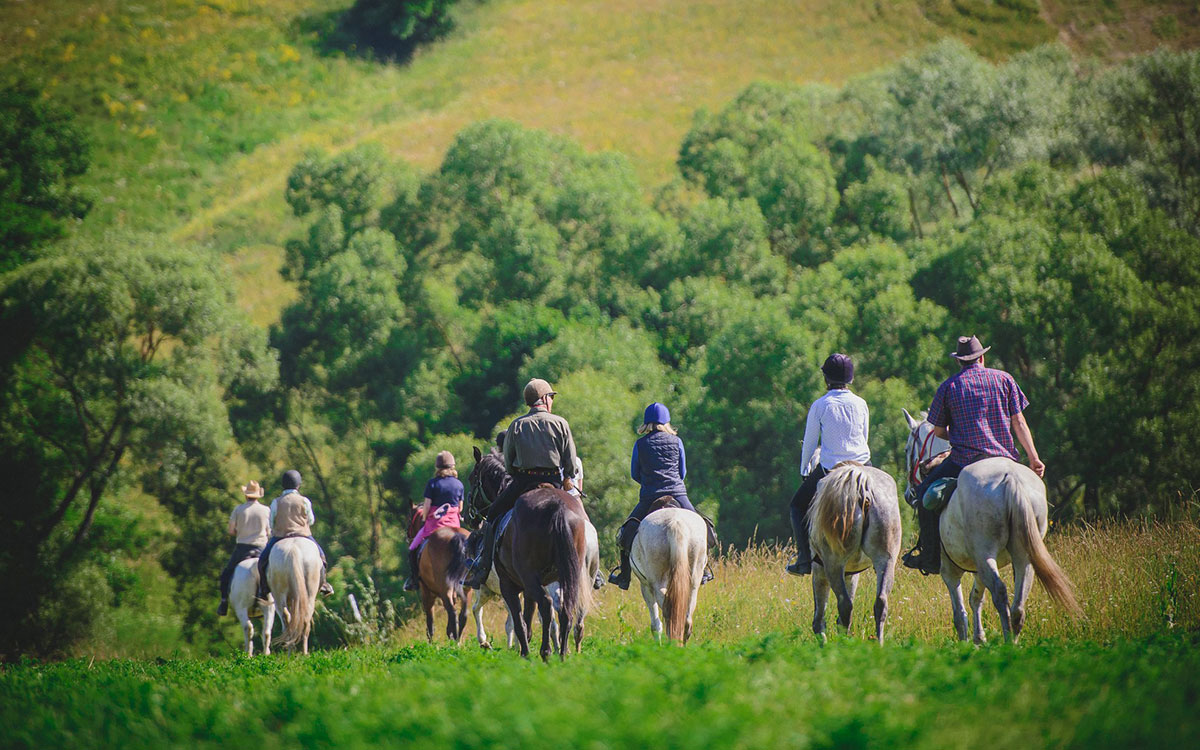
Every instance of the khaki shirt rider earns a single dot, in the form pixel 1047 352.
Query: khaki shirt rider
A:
pixel 250 522
pixel 539 440
pixel 292 515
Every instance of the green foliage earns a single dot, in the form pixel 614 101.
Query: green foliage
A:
pixel 42 152
pixel 110 358
pixel 395 28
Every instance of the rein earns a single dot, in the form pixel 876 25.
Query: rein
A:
pixel 915 467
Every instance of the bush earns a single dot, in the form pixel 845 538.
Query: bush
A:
pixel 395 28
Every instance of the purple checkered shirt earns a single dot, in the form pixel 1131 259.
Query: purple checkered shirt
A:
pixel 977 405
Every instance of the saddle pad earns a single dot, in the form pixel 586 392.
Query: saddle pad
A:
pixel 938 494
pixel 500 527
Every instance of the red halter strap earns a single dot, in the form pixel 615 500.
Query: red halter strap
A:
pixel 912 474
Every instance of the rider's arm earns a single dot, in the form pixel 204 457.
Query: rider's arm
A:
pixel 233 524
pixel 942 432
pixel 635 466
pixel 426 504
pixel 682 461
pixel 1020 428
pixel 812 434
pixel 568 459
pixel 308 507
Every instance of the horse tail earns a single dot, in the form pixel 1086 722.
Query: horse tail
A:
pixel 1025 526
pixel 567 554
pixel 679 582
pixel 456 566
pixel 300 603
pixel 831 515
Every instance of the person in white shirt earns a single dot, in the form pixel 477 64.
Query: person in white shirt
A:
pixel 838 423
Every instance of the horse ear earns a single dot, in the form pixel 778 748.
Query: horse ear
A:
pixel 912 423
pixel 478 455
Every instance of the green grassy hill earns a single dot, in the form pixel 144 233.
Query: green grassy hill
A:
pixel 198 110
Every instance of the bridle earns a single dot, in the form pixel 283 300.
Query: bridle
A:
pixel 924 452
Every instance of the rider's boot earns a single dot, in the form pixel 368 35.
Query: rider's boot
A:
pixel 222 608
pixel 707 575
pixel 628 531
pixel 410 584
pixel 325 589
pixel 620 578
pixel 803 564
pixel 927 555
pixel 477 573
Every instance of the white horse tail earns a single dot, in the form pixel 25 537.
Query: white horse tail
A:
pixel 1025 526
pixel 679 582
pixel 299 603
pixel 839 496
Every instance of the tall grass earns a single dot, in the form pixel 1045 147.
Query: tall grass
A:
pixel 1133 579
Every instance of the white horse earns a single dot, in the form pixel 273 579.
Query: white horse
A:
pixel 491 590
pixel 668 555
pixel 854 524
pixel 242 589
pixel 294 574
pixel 996 517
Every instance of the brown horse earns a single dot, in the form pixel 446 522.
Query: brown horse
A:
pixel 441 570
pixel 546 541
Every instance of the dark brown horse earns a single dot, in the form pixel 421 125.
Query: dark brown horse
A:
pixel 441 570
pixel 546 541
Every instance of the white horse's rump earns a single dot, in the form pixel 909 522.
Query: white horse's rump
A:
pixel 491 590
pixel 668 555
pixel 854 524
pixel 997 516
pixel 242 589
pixel 294 575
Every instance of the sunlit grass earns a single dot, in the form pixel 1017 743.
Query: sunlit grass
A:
pixel 1132 579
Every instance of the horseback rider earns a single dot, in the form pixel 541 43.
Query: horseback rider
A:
pixel 659 465
pixel 538 449
pixel 440 508
pixel 250 525
pixel 839 423
pixel 291 516
pixel 978 410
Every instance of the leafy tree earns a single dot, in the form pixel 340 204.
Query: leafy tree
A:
pixel 42 152
pixel 111 366
pixel 395 28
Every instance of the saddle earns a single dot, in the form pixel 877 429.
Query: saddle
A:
pixel 938 494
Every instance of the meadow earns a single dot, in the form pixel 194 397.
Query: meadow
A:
pixel 1126 674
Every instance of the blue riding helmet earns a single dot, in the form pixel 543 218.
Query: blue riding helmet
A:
pixel 656 413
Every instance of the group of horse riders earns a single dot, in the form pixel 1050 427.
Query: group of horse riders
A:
pixel 978 410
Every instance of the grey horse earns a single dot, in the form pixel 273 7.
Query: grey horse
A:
pixel 853 524
pixel 996 517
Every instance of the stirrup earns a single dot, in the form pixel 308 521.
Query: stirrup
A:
pixel 618 580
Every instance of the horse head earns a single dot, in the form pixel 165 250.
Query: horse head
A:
pixel 485 481
pixel 921 448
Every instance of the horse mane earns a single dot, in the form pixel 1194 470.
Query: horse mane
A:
pixel 491 469
pixel 839 494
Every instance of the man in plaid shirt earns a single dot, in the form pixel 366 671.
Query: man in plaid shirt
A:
pixel 978 410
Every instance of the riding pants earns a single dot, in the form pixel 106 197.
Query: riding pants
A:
pixel 240 552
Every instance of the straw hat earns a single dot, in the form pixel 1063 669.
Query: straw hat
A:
pixel 253 490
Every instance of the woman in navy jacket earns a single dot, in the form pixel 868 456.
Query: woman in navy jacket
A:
pixel 659 466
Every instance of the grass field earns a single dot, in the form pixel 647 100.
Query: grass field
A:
pixel 1126 674
pixel 777 690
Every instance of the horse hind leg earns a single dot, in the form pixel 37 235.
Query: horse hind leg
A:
pixel 976 601
pixel 248 632
pixel 952 577
pixel 836 575
pixel 651 599
pixel 427 605
pixel 990 575
pixel 820 586
pixel 1022 582
pixel 451 618
pixel 885 576
pixel 477 613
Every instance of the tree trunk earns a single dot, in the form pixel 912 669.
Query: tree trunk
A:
pixel 962 181
pixel 949 195
pixel 916 217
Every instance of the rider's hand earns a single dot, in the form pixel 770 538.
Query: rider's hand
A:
pixel 1038 467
